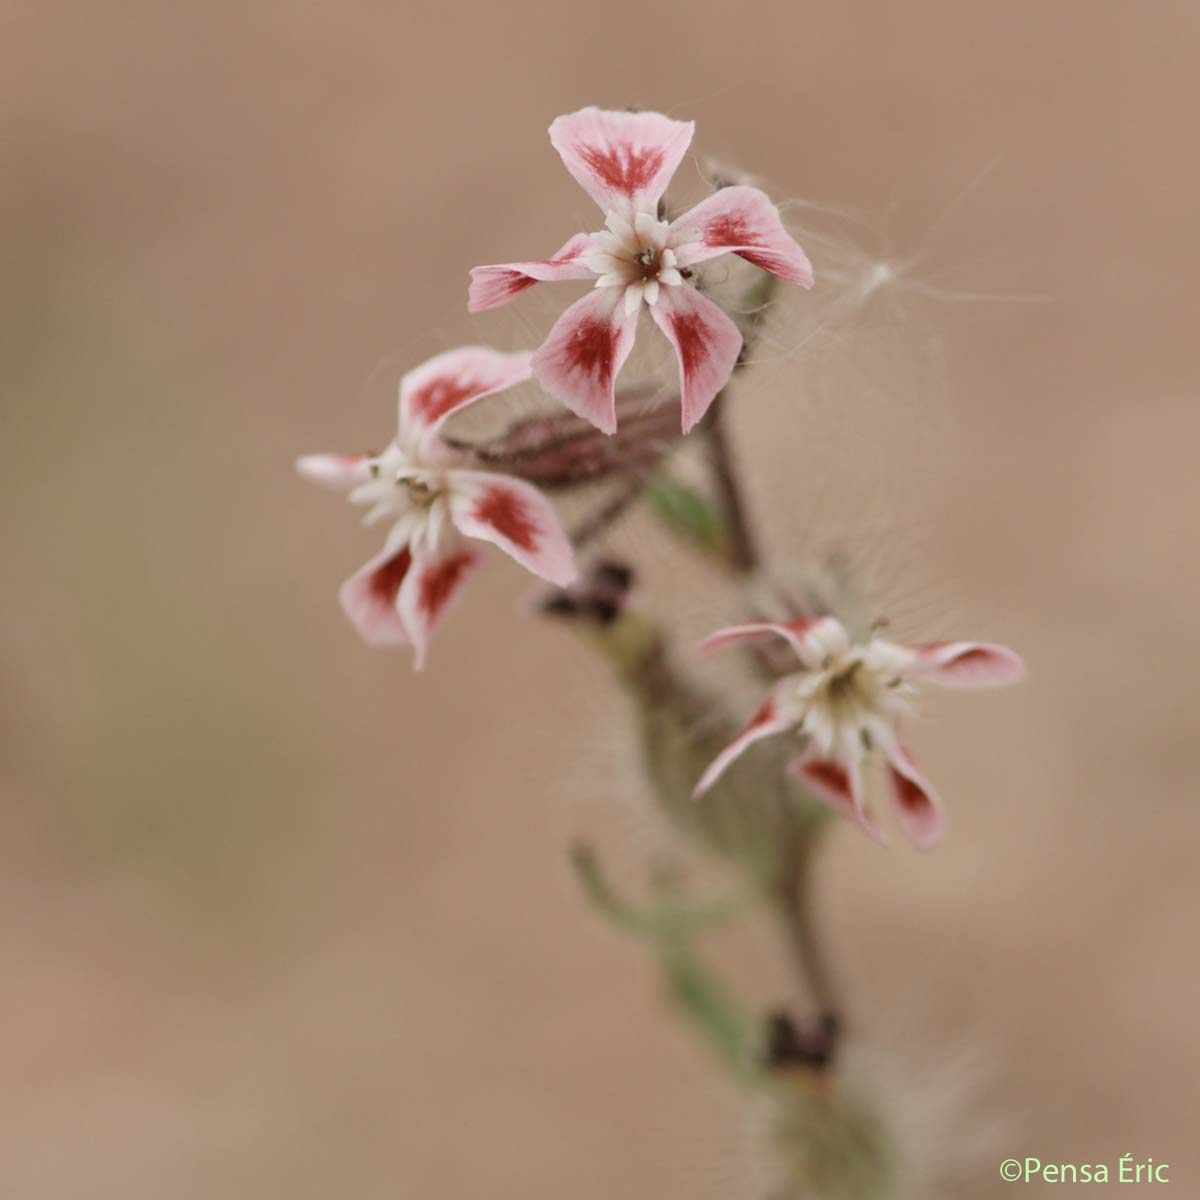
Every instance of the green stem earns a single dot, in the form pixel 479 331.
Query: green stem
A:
pixel 727 1027
pixel 795 907
pixel 671 926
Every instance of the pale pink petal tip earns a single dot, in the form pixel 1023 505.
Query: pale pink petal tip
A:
pixel 917 806
pixel 369 596
pixel 429 590
pixel 840 786
pixel 492 286
pixel 741 221
pixel 968 664
pixel 756 631
pixel 706 342
pixel 621 158
pixel 578 363
pixel 516 517
pixel 339 472
pixel 770 718
pixel 448 383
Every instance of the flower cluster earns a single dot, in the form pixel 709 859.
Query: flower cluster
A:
pixel 624 161
pixel 442 497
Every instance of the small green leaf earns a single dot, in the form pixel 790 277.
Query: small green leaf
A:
pixel 717 1015
pixel 686 511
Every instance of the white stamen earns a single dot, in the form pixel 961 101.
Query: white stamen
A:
pixel 854 693
pixel 634 255
pixel 412 493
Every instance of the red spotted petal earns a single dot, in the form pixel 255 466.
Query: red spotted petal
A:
pixel 340 472
pixel 707 344
pixel 917 806
pixel 451 381
pixel 430 587
pixel 369 598
pixel 742 221
pixel 775 715
pixel 967 664
pixel 840 786
pixel 621 158
pixel 578 363
pixel 515 516
pixel 496 285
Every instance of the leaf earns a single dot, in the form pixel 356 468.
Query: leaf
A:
pixel 687 511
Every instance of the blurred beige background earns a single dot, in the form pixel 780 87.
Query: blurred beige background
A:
pixel 282 919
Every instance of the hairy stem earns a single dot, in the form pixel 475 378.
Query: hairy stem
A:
pixel 742 549
pixel 599 522
pixel 741 546
pixel 794 901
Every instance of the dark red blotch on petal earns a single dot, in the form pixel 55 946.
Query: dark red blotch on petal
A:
pixel 625 169
pixel 973 655
pixel 504 511
pixel 513 284
pixel 831 774
pixel 439 581
pixel 386 579
pixel 692 337
pixel 765 714
pixel 591 349
pixel 911 795
pixel 728 229
pixel 439 396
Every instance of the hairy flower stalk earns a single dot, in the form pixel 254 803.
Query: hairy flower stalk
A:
pixel 560 451
pixel 757 818
pixel 761 794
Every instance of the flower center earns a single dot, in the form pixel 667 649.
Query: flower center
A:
pixel 648 261
pixel 847 690
pixel 633 254
pixel 852 697
pixel 420 491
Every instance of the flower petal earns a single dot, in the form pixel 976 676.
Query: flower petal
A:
pixel 427 592
pixel 515 516
pixel 498 284
pixel 797 634
pixel 840 786
pixel 917 806
pixel 775 715
pixel 449 382
pixel 578 363
pixel 742 221
pixel 967 664
pixel 707 344
pixel 620 158
pixel 340 472
pixel 368 598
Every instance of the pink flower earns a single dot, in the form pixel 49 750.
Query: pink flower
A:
pixel 400 596
pixel 845 703
pixel 624 161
